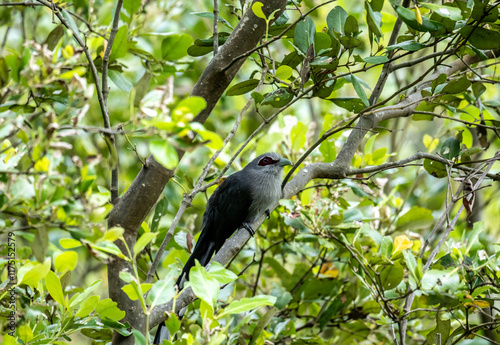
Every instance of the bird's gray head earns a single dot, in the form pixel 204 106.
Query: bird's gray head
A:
pixel 270 162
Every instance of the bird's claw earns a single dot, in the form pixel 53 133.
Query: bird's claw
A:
pixel 268 214
pixel 249 229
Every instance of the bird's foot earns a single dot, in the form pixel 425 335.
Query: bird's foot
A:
pixel 249 228
pixel 268 214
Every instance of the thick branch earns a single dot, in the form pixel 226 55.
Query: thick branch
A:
pixel 245 36
pixel 404 108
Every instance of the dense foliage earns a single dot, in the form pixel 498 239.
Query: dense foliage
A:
pixel 388 229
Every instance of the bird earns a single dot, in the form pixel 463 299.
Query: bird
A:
pixel 237 202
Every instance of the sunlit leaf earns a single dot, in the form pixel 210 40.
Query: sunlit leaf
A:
pixel 402 242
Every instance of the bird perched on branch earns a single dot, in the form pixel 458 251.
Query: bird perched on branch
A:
pixel 239 201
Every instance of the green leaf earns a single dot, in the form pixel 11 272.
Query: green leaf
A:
pixel 359 90
pixel 450 12
pixel 66 261
pixel 298 136
pixel 376 59
pixel 450 148
pixel 188 108
pixel 132 6
pixel 34 273
pixel 114 233
pixel 87 306
pixel 415 218
pixel 246 304
pixel 54 287
pixel 134 292
pixel 71 23
pixel 336 20
pixel 4 72
pixel 223 275
pixel 164 153
pixel 407 45
pixel 120 81
pixel 478 89
pixel 142 88
pixel 25 334
pixel 196 51
pixel 484 12
pixel 68 243
pixel 143 241
pixel 350 42
pixel 434 168
pixel 243 87
pixel 352 104
pixel 457 86
pixel 139 338
pixel 278 98
pixel 175 46
pixel 322 45
pixel 438 81
pixel 443 328
pixel 54 37
pixel 77 298
pixel 203 284
pixel 327 149
pixel 305 31
pixel 441 280
pixel 351 26
pixel 391 276
pixel 409 18
pixel 373 19
pixel 173 323
pixel 162 291
pixel 472 238
pixel 120 44
pixel 160 210
pixel 386 247
pixel 481 38
pixel 411 264
pixel 284 72
pixel 108 247
pixel 108 308
pixel 466 155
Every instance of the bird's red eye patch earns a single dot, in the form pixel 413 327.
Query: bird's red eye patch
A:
pixel 267 161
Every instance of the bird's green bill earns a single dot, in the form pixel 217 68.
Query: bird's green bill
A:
pixel 283 162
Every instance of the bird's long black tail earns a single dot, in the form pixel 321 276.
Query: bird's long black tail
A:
pixel 203 251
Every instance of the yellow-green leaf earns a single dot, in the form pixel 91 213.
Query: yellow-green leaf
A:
pixel 66 261
pixel 54 287
pixel 108 308
pixel 284 72
pixel 88 306
pixel 113 234
pixel 67 51
pixel 35 273
pixel 430 142
pixel 143 241
pixel 257 10
pixel 68 243
pixel 42 165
